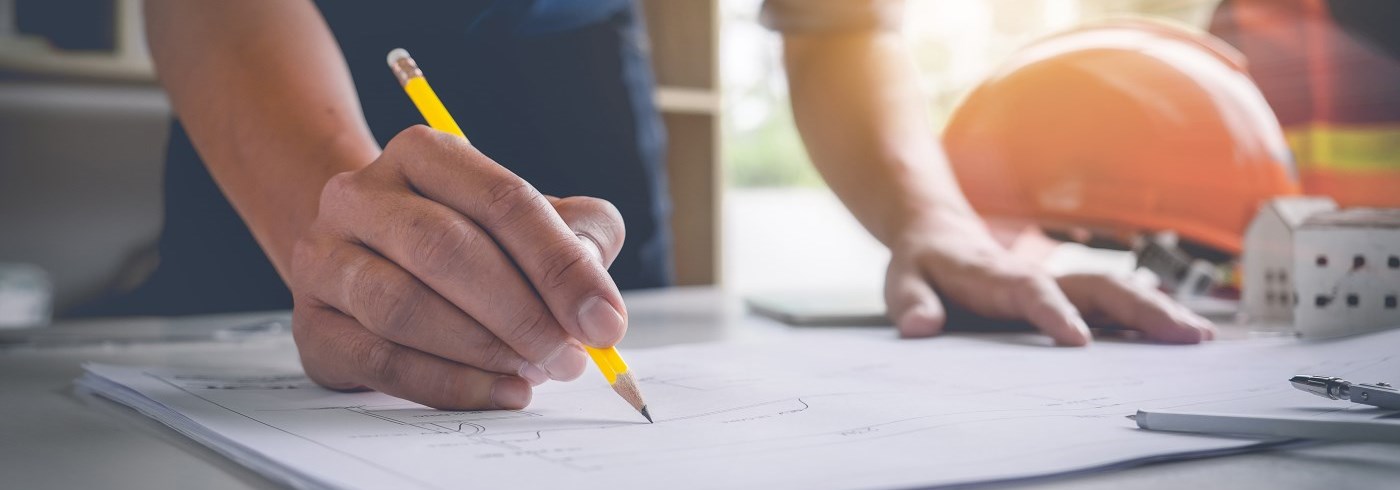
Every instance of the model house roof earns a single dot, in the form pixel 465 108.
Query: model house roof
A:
pixel 1355 218
pixel 1293 211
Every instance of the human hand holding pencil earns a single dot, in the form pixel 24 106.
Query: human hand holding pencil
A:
pixel 436 275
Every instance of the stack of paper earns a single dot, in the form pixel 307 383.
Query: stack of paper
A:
pixel 816 410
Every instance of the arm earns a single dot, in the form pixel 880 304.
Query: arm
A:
pixel 425 270
pixel 873 143
pixel 263 91
pixel 862 118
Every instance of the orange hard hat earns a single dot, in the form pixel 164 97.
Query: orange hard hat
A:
pixel 1120 128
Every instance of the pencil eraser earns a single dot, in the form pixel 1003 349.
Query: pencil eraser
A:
pixel 396 55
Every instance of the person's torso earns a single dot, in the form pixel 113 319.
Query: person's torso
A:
pixel 1330 69
pixel 557 91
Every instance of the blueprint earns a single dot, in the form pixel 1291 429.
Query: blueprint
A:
pixel 814 409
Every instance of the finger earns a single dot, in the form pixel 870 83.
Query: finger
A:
pixel 596 222
pixel 458 260
pixel 911 303
pixel 339 354
pixel 1037 299
pixel 1207 327
pixel 395 305
pixel 989 282
pixel 575 286
pixel 1138 308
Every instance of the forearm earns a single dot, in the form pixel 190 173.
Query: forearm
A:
pixel 263 91
pixel 862 117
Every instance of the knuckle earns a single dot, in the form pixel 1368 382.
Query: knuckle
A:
pixel 359 285
pixel 385 362
pixel 972 267
pixel 495 355
pixel 387 306
pixel 561 261
pixel 341 187
pixel 511 198
pixel 1029 291
pixel 1108 281
pixel 533 325
pixel 314 257
pixel 440 246
pixel 399 307
pixel 415 135
pixel 1026 286
pixel 316 348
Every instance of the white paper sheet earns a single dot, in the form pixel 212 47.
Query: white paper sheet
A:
pixel 813 410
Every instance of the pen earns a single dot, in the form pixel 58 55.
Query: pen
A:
pixel 609 361
pixel 1277 427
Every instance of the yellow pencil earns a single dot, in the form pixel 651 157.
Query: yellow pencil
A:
pixel 609 361
pixel 422 94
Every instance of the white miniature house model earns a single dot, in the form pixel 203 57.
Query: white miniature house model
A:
pixel 1268 292
pixel 1347 272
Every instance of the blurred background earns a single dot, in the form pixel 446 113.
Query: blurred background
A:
pixel 784 229
pixel 83 127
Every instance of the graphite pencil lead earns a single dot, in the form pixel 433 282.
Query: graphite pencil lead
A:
pixel 647 414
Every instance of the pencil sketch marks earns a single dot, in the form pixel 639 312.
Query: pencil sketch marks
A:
pixel 821 413
pixel 259 382
pixel 440 421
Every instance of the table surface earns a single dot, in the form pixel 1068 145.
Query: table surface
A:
pixel 52 437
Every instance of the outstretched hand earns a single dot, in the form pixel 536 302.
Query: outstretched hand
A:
pixel 964 266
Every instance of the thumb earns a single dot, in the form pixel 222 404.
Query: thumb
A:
pixel 911 303
pixel 597 223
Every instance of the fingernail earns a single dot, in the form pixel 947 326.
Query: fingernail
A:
pixel 534 374
pixel 1082 327
pixel 1207 332
pixel 510 392
pixel 1085 336
pixel 601 322
pixel 917 322
pixel 566 363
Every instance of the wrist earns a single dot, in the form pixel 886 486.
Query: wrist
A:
pixel 954 222
pixel 291 202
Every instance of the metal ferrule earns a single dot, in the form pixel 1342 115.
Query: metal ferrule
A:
pixel 1327 386
pixel 405 69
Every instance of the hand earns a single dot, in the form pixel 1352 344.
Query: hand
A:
pixel 436 275
pixel 961 263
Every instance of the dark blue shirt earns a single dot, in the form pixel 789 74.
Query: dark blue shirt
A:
pixel 558 91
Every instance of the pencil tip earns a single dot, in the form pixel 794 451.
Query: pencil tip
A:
pixel 647 414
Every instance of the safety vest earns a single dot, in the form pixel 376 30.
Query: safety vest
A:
pixel 1336 92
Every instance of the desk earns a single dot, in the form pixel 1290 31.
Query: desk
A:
pixel 51 437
